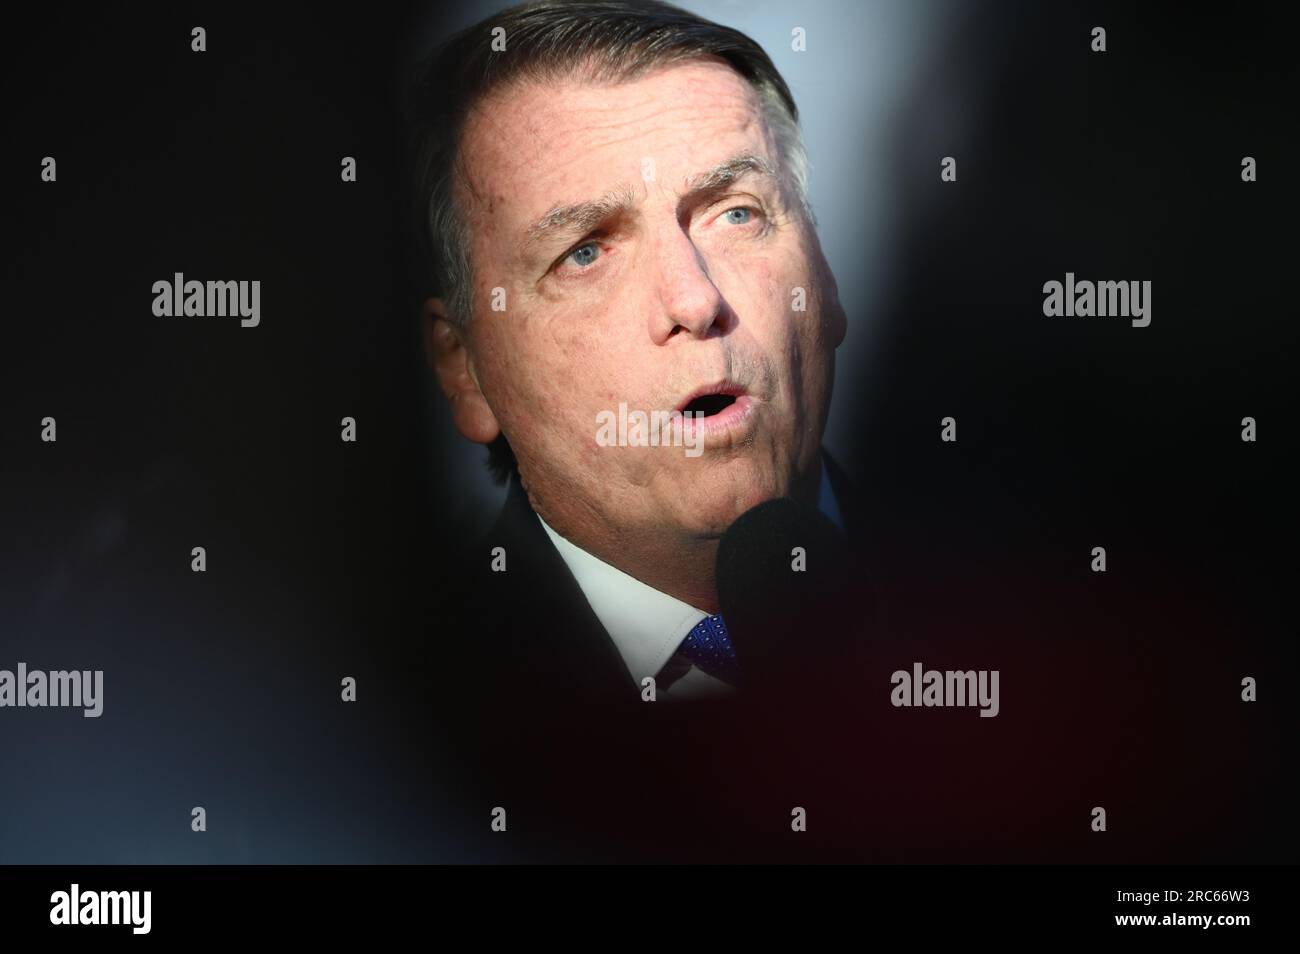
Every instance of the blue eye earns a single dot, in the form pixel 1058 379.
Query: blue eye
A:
pixel 584 255
pixel 743 211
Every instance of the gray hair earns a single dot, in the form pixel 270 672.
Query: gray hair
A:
pixel 598 40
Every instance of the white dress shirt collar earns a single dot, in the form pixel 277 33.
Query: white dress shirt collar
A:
pixel 646 625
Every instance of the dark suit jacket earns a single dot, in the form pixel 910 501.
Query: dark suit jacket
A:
pixel 541 705
pixel 531 627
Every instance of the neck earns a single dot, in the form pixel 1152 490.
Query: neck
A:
pixel 684 570
pixel 683 567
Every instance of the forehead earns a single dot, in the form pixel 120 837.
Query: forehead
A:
pixel 534 145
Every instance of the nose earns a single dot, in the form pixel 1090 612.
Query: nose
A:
pixel 688 301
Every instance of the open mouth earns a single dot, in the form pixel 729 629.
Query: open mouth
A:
pixel 709 404
pixel 721 413
pixel 711 400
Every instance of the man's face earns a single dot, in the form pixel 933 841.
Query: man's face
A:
pixel 659 294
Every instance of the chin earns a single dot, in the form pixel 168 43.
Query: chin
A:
pixel 711 513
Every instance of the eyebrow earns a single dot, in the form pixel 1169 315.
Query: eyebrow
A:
pixel 725 173
pixel 582 217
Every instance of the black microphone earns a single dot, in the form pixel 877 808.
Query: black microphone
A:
pixel 792 592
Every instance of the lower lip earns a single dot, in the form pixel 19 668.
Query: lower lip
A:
pixel 731 422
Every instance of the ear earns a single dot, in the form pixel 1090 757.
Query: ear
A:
pixel 837 318
pixel 449 357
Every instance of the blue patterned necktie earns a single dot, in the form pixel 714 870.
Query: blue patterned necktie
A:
pixel 708 647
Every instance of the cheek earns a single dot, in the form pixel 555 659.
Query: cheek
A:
pixel 787 307
pixel 798 341
pixel 583 369
pixel 803 306
pixel 553 382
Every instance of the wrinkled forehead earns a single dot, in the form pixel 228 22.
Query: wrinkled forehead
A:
pixel 539 143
